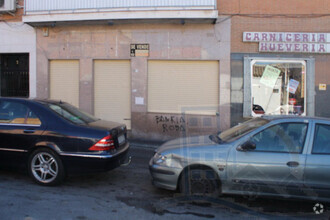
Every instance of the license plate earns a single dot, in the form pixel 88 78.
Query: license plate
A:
pixel 121 139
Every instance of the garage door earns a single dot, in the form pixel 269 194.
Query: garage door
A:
pixel 189 86
pixel 112 86
pixel 64 81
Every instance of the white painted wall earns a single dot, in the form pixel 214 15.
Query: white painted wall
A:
pixel 17 37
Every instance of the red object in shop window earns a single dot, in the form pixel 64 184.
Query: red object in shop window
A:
pixel 292 101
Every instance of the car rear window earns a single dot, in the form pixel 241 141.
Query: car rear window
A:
pixel 72 113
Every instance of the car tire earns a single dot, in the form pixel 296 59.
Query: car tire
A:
pixel 45 167
pixel 201 181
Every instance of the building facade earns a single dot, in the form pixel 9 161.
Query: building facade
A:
pixel 279 57
pixel 162 68
pixel 17 52
pixel 168 69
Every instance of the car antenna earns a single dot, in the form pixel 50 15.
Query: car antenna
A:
pixel 61 101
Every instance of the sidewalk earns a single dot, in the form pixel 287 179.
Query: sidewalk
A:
pixel 144 143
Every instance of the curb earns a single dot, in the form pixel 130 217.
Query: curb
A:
pixel 144 144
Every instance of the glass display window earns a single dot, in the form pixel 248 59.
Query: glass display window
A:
pixel 278 87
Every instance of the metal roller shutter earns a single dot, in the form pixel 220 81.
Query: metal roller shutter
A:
pixel 174 85
pixel 112 90
pixel 64 81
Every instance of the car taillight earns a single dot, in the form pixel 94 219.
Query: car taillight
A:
pixel 105 143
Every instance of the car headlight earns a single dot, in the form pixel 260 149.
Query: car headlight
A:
pixel 159 159
pixel 165 160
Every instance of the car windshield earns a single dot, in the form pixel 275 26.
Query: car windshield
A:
pixel 72 113
pixel 241 129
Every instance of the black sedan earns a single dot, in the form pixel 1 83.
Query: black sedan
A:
pixel 53 139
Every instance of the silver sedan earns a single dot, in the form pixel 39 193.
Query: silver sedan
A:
pixel 267 156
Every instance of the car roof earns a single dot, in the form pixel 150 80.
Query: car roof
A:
pixel 283 117
pixel 51 101
pixel 44 101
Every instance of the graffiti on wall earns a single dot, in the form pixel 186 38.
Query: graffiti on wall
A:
pixel 171 123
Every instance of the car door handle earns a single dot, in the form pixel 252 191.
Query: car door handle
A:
pixel 292 164
pixel 29 131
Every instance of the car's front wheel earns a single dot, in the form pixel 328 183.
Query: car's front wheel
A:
pixel 45 167
pixel 199 181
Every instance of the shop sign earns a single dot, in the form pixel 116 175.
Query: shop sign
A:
pixel 294 47
pixel 139 50
pixel 286 37
pixel 290 42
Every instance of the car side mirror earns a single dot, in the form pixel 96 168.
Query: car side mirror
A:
pixel 247 146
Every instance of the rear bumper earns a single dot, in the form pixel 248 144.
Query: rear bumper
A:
pixel 88 163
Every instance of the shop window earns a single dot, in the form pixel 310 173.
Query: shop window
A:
pixel 278 87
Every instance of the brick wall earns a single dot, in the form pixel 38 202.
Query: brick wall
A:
pixel 322 98
pixel 17 17
pixel 282 7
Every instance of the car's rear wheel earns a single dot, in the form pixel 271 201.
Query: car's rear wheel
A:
pixel 199 181
pixel 45 167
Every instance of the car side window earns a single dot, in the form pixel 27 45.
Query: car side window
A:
pixel 284 137
pixel 17 113
pixel 321 144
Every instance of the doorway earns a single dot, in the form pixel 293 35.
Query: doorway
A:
pixel 14 75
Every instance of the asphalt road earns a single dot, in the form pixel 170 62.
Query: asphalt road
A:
pixel 127 192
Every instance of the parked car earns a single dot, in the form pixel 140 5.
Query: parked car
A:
pixel 53 138
pixel 285 156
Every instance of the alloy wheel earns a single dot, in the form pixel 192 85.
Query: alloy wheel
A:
pixel 44 167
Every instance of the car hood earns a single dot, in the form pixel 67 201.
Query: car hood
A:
pixel 107 125
pixel 195 141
